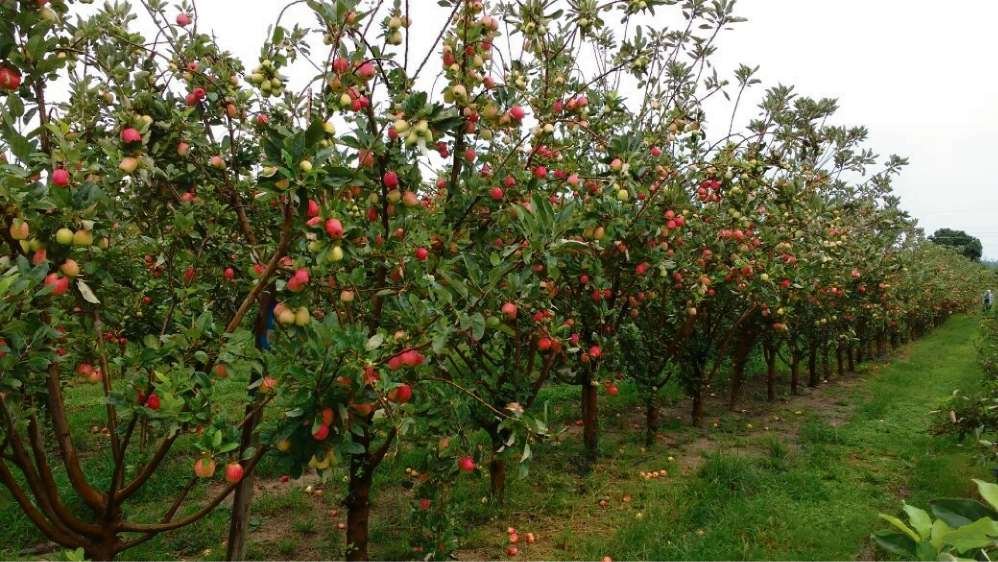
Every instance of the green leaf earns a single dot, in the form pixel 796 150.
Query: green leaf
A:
pixel 978 534
pixel 939 531
pixel 919 519
pixel 957 512
pixel 895 543
pixel 899 525
pixel 989 492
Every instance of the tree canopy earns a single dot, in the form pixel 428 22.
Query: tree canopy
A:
pixel 960 241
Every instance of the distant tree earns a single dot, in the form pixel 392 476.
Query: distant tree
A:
pixel 960 241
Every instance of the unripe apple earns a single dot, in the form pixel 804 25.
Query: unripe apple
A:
pixel 19 230
pixel 70 268
pixel 83 238
pixel 204 467
pixel 346 296
pixel 305 166
pixel 336 254
pixel 302 317
pixel 64 236
pixel 128 164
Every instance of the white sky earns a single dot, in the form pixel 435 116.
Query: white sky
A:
pixel 919 74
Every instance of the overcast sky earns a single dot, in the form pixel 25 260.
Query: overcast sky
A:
pixel 920 74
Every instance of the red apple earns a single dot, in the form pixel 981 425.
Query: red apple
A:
pixel 233 472
pixel 422 253
pixel 60 177
pixel 400 394
pixel 509 310
pixel 466 464
pixel 10 78
pixel 391 180
pixel 130 135
pixel 152 402
pixel 183 19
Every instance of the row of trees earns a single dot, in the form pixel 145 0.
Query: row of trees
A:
pixel 402 251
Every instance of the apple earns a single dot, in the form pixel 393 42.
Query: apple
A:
pixel 217 162
pixel 509 310
pixel 64 236
pixel 19 230
pixel 511 550
pixel 302 317
pixel 466 464
pixel 83 238
pixel 336 254
pixel 60 177
pixel 391 179
pixel 220 371
pixel 655 151
pixel 70 268
pixel 334 228
pixel 321 432
pixel 517 113
pixel 204 467
pixel 58 283
pixel 183 19
pixel 152 402
pixel 10 78
pixel 183 148
pixel 612 389
pixel 130 135
pixel 128 164
pixel 229 274
pixel 312 210
pixel 496 193
pixel 365 71
pixel 233 472
pixel 400 394
pixel 422 253
pixel 424 504
pixel 262 119
pixel 341 65
pixel 347 296
pixel 305 166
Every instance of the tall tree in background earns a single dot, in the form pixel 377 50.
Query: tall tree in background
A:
pixel 959 240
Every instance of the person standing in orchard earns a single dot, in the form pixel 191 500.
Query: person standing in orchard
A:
pixel 988 299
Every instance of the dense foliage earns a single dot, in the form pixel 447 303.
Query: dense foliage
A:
pixel 380 260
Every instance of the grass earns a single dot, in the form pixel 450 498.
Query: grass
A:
pixel 800 479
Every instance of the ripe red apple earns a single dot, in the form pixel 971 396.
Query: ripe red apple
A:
pixel 152 402
pixel 366 70
pixel 424 504
pixel 320 433
pixel 517 113
pixel 183 20
pixel 612 389
pixel 234 472
pixel 183 148
pixel 58 283
pixel 204 467
pixel 130 135
pixel 229 274
pixel 400 394
pixel 334 228
pixel 466 464
pixel 10 78
pixel 422 253
pixel 496 193
pixel 341 65
pixel 512 550
pixel 656 151
pixel 60 177
pixel 595 352
pixel 540 172
pixel 391 179
pixel 509 310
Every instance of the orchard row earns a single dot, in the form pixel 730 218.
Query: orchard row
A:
pixel 401 250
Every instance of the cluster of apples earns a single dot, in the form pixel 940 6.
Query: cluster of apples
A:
pixel 513 538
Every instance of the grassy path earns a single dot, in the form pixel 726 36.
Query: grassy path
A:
pixel 810 491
